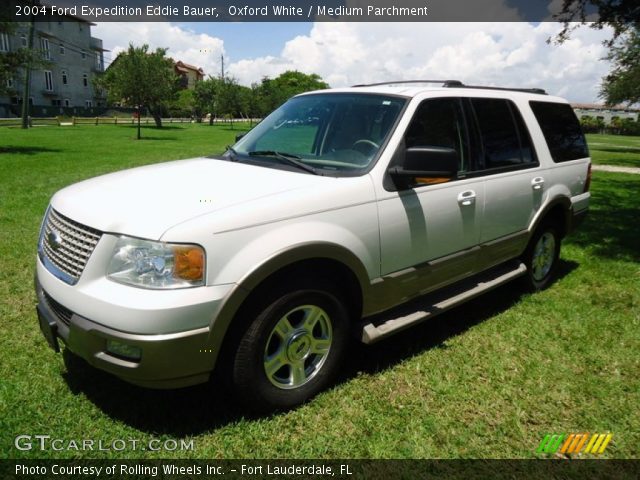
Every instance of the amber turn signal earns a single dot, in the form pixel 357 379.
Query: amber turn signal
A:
pixel 188 263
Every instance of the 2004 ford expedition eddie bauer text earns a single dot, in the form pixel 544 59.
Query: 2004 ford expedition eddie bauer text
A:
pixel 337 207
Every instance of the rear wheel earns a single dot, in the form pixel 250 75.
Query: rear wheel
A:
pixel 292 349
pixel 541 257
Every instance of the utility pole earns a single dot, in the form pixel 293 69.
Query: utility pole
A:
pixel 222 67
pixel 27 76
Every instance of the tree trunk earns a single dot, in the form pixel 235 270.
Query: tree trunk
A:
pixel 27 77
pixel 157 118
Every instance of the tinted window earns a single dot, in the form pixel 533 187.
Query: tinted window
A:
pixel 526 145
pixel 561 130
pixel 505 140
pixel 439 123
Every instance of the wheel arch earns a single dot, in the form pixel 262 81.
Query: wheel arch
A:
pixel 558 211
pixel 326 260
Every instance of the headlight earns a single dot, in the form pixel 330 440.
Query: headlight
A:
pixel 148 264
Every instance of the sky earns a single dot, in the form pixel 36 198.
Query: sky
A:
pixel 498 53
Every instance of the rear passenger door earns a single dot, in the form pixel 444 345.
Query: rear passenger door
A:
pixel 513 185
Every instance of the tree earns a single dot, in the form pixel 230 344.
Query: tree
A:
pixel 17 65
pixel 274 92
pixel 183 105
pixel 622 85
pixel 142 79
pixel 620 15
pixel 205 96
pixel 623 17
pixel 11 62
pixel 222 98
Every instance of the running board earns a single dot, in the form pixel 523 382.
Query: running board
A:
pixel 380 326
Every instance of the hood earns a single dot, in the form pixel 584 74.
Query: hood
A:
pixel 146 201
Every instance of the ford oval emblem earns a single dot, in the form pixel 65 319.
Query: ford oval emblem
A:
pixel 54 239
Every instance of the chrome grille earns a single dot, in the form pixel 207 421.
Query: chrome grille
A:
pixel 65 246
pixel 63 313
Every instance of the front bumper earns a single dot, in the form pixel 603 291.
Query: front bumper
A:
pixel 168 360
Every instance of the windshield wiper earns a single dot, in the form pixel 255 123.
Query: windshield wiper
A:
pixel 289 158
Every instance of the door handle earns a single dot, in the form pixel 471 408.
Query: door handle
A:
pixel 537 183
pixel 467 198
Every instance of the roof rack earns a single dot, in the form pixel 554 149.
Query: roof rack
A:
pixel 456 84
pixel 445 83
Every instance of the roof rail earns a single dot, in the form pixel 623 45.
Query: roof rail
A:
pixel 539 91
pixel 445 83
pixel 456 84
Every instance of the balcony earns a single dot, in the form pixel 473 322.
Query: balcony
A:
pixel 96 44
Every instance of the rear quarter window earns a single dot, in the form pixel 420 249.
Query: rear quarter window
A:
pixel 561 130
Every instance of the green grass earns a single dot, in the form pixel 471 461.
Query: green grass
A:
pixel 486 380
pixel 621 150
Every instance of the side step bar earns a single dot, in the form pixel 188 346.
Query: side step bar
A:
pixel 382 325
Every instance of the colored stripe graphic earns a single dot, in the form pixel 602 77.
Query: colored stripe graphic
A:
pixel 598 443
pixel 550 443
pixel 574 442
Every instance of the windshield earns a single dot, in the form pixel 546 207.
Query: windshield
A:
pixel 330 132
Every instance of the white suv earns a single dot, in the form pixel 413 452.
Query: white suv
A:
pixel 339 206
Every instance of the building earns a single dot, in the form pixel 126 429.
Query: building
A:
pixel 605 113
pixel 189 75
pixel 64 85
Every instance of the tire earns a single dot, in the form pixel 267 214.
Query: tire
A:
pixel 292 349
pixel 541 257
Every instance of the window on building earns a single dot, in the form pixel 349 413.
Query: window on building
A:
pixel 56 102
pixel 10 82
pixel 4 42
pixel 85 80
pixel 88 103
pixel 64 77
pixel 23 40
pixel 67 103
pixel 62 49
pixel 48 80
pixel 83 54
pixel 44 44
pixel 16 100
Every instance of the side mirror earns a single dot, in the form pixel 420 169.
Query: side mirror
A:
pixel 427 165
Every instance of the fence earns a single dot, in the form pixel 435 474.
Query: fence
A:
pixel 58 121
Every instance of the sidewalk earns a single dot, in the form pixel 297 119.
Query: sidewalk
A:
pixel 613 168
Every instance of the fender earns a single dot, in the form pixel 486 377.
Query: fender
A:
pixel 559 200
pixel 283 258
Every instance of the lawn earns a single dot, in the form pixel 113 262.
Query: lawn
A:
pixel 485 380
pixel 621 150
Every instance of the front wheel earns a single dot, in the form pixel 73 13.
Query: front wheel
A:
pixel 541 257
pixel 292 350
